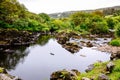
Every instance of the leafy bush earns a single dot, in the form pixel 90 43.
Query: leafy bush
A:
pixel 4 25
pixel 117 30
pixel 115 42
pixel 111 23
pixel 99 27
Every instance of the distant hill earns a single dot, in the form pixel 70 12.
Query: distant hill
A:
pixel 106 11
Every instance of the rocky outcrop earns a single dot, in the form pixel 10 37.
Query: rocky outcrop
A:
pixel 12 38
pixel 72 47
pixel 110 66
pixel 103 77
pixel 65 75
pixel 115 55
pixel 64 39
pixel 109 49
pixel 90 68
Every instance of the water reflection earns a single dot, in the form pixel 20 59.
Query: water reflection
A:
pixel 10 60
pixel 43 39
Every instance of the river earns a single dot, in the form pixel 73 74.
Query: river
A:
pixel 38 61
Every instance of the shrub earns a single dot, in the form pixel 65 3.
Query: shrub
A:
pixel 99 27
pixel 111 23
pixel 115 42
pixel 117 30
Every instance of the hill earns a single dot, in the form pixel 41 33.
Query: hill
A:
pixel 106 11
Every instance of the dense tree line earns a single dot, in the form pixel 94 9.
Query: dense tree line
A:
pixel 15 15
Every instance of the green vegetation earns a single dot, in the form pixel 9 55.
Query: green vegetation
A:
pixel 1 70
pixel 115 42
pixel 101 68
pixel 15 15
pixel 117 30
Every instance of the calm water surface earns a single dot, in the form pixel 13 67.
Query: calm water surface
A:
pixel 36 62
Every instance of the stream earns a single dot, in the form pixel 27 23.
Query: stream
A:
pixel 38 61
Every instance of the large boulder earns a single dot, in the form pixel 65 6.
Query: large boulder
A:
pixel 72 47
pixel 64 75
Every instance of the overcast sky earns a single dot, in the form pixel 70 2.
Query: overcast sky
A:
pixel 52 6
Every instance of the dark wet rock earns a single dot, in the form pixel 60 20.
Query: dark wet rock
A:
pixel 85 78
pixel 89 44
pixel 12 38
pixel 110 66
pixel 63 37
pixel 52 54
pixel 103 77
pixel 115 55
pixel 72 47
pixel 64 75
pixel 90 68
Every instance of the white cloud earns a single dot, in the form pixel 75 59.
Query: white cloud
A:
pixel 52 6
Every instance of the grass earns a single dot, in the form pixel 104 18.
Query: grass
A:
pixel 101 68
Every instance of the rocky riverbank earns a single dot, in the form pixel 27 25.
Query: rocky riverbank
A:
pixel 10 38
pixel 5 76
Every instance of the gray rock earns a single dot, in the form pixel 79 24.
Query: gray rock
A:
pixel 110 66
pixel 115 55
pixel 90 67
pixel 85 78
pixel 103 77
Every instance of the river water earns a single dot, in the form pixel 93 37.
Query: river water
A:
pixel 38 61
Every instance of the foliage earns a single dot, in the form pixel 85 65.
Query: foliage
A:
pixel 79 17
pixel 115 42
pixel 101 68
pixel 117 30
pixel 99 27
pixel 44 17
pixel 111 23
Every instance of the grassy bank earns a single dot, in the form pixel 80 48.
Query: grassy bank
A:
pixel 101 68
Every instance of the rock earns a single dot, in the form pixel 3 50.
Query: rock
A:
pixel 76 71
pixel 64 75
pixel 115 55
pixel 85 78
pixel 90 67
pixel 89 44
pixel 72 47
pixel 8 77
pixel 52 54
pixel 83 55
pixel 4 77
pixel 103 77
pixel 110 66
